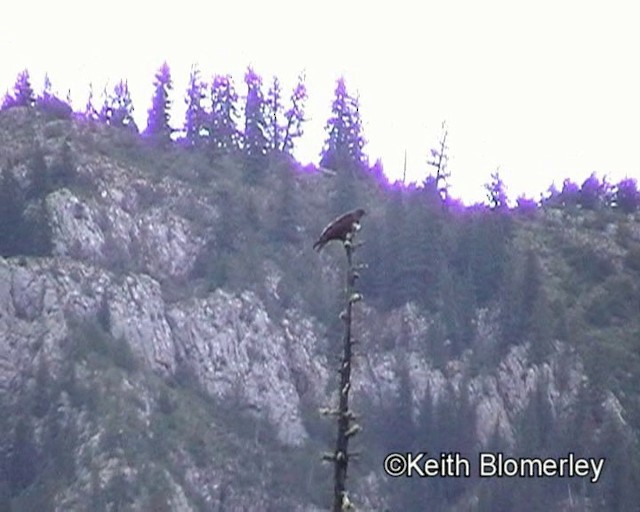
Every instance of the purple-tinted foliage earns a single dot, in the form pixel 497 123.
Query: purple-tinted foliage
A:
pixel 627 197
pixel 432 192
pixel 570 194
pixel 496 192
pixel 377 170
pixel 51 104
pixel 591 194
pixel 117 108
pixel 158 127
pixel 255 127
pixel 90 112
pixel 344 146
pixel 223 125
pixel 295 115
pixel 23 95
pixel 526 206
pixel 310 168
pixel 273 111
pixel 195 120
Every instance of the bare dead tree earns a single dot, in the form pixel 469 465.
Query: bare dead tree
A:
pixel 346 419
pixel 440 160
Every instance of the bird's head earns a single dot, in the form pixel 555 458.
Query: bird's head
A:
pixel 359 213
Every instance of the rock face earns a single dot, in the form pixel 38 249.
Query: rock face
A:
pixel 113 249
pixel 234 349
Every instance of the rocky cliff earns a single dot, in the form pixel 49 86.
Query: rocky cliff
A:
pixel 200 397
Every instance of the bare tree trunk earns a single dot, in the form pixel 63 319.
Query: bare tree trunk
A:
pixel 347 427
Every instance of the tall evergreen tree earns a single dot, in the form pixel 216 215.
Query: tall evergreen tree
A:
pixel 224 136
pixel 496 192
pixel 90 111
pixel 627 197
pixel 295 115
pixel 343 148
pixel 592 193
pixel 23 95
pixel 273 112
pixel 49 103
pixel 255 128
pixel 195 120
pixel 158 128
pixel 117 109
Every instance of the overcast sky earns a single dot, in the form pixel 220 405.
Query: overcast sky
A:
pixel 543 90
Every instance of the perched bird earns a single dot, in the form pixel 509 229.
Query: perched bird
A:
pixel 340 228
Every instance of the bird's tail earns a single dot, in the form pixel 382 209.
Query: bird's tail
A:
pixel 318 245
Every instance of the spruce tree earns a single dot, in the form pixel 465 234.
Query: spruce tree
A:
pixel 496 192
pixel 49 103
pixel 255 139
pixel 117 108
pixel 274 130
pixel 90 111
pixel 224 136
pixel 195 120
pixel 23 95
pixel 158 129
pixel 344 145
pixel 295 115
pixel 626 196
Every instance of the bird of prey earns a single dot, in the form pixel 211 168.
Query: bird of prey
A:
pixel 340 228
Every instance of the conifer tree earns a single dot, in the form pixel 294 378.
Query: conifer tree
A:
pixel 117 109
pixel 626 196
pixel 295 115
pixel 284 127
pixel 274 130
pixel 158 128
pixel 224 136
pixel 90 111
pixel 570 194
pixel 255 139
pixel 496 192
pixel 592 193
pixel 344 145
pixel 23 95
pixel 49 103
pixel 195 120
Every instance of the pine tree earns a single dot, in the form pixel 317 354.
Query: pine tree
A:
pixel 294 116
pixel 592 193
pixel 90 111
pixel 195 119
pixel 46 90
pixel 51 104
pixel 255 139
pixel 117 108
pixel 496 192
pixel 158 128
pixel 23 95
pixel 627 197
pixel 273 112
pixel 344 145
pixel 570 194
pixel 224 136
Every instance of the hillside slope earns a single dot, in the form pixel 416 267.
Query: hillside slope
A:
pixel 167 335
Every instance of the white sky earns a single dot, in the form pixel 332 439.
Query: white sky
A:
pixel 543 90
